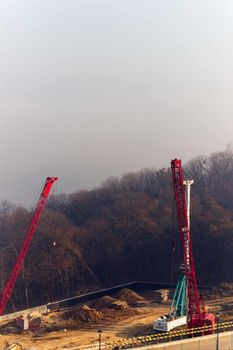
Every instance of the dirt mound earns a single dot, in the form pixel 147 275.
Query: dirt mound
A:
pixel 83 314
pixel 131 297
pixel 105 301
pixel 108 302
pixel 119 305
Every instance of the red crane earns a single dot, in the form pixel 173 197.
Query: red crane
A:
pixel 9 286
pixel 197 315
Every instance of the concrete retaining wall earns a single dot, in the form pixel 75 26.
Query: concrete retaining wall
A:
pixel 40 309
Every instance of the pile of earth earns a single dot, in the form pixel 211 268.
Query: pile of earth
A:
pixel 82 314
pixel 106 309
pixel 130 297
pixel 107 302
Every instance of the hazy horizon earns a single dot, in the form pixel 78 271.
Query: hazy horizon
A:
pixel 92 89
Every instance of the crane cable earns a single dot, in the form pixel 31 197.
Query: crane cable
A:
pixel 173 241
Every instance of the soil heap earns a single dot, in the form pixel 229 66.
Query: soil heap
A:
pixel 131 297
pixel 83 314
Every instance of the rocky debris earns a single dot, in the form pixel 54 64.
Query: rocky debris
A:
pixel 131 297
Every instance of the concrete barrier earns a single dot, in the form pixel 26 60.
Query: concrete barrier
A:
pixel 43 309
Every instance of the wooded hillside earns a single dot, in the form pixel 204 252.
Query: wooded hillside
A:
pixel 124 230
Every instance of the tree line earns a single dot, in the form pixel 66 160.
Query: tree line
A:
pixel 124 230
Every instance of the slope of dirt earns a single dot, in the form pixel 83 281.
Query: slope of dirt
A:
pixel 131 297
pixel 83 314
pixel 109 303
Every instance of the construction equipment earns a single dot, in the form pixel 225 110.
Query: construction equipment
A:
pixel 178 305
pixel 197 315
pixel 178 313
pixel 178 310
pixel 9 286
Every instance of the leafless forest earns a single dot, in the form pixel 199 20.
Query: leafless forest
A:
pixel 124 230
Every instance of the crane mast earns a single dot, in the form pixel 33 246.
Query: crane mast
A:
pixel 197 313
pixel 187 184
pixel 9 286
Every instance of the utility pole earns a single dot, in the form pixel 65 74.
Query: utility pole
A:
pixel 217 340
pixel 173 252
pixel 99 331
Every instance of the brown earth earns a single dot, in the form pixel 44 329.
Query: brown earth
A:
pixel 129 296
pixel 78 326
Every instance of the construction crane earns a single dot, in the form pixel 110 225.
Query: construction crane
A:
pixel 197 315
pixel 177 315
pixel 9 286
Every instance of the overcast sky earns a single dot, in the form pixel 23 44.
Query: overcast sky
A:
pixel 97 88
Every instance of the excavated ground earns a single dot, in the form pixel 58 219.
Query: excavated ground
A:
pixel 121 316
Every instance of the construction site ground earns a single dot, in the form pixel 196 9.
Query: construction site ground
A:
pixel 124 315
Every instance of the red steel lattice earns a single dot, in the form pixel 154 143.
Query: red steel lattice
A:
pixel 195 304
pixel 9 286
